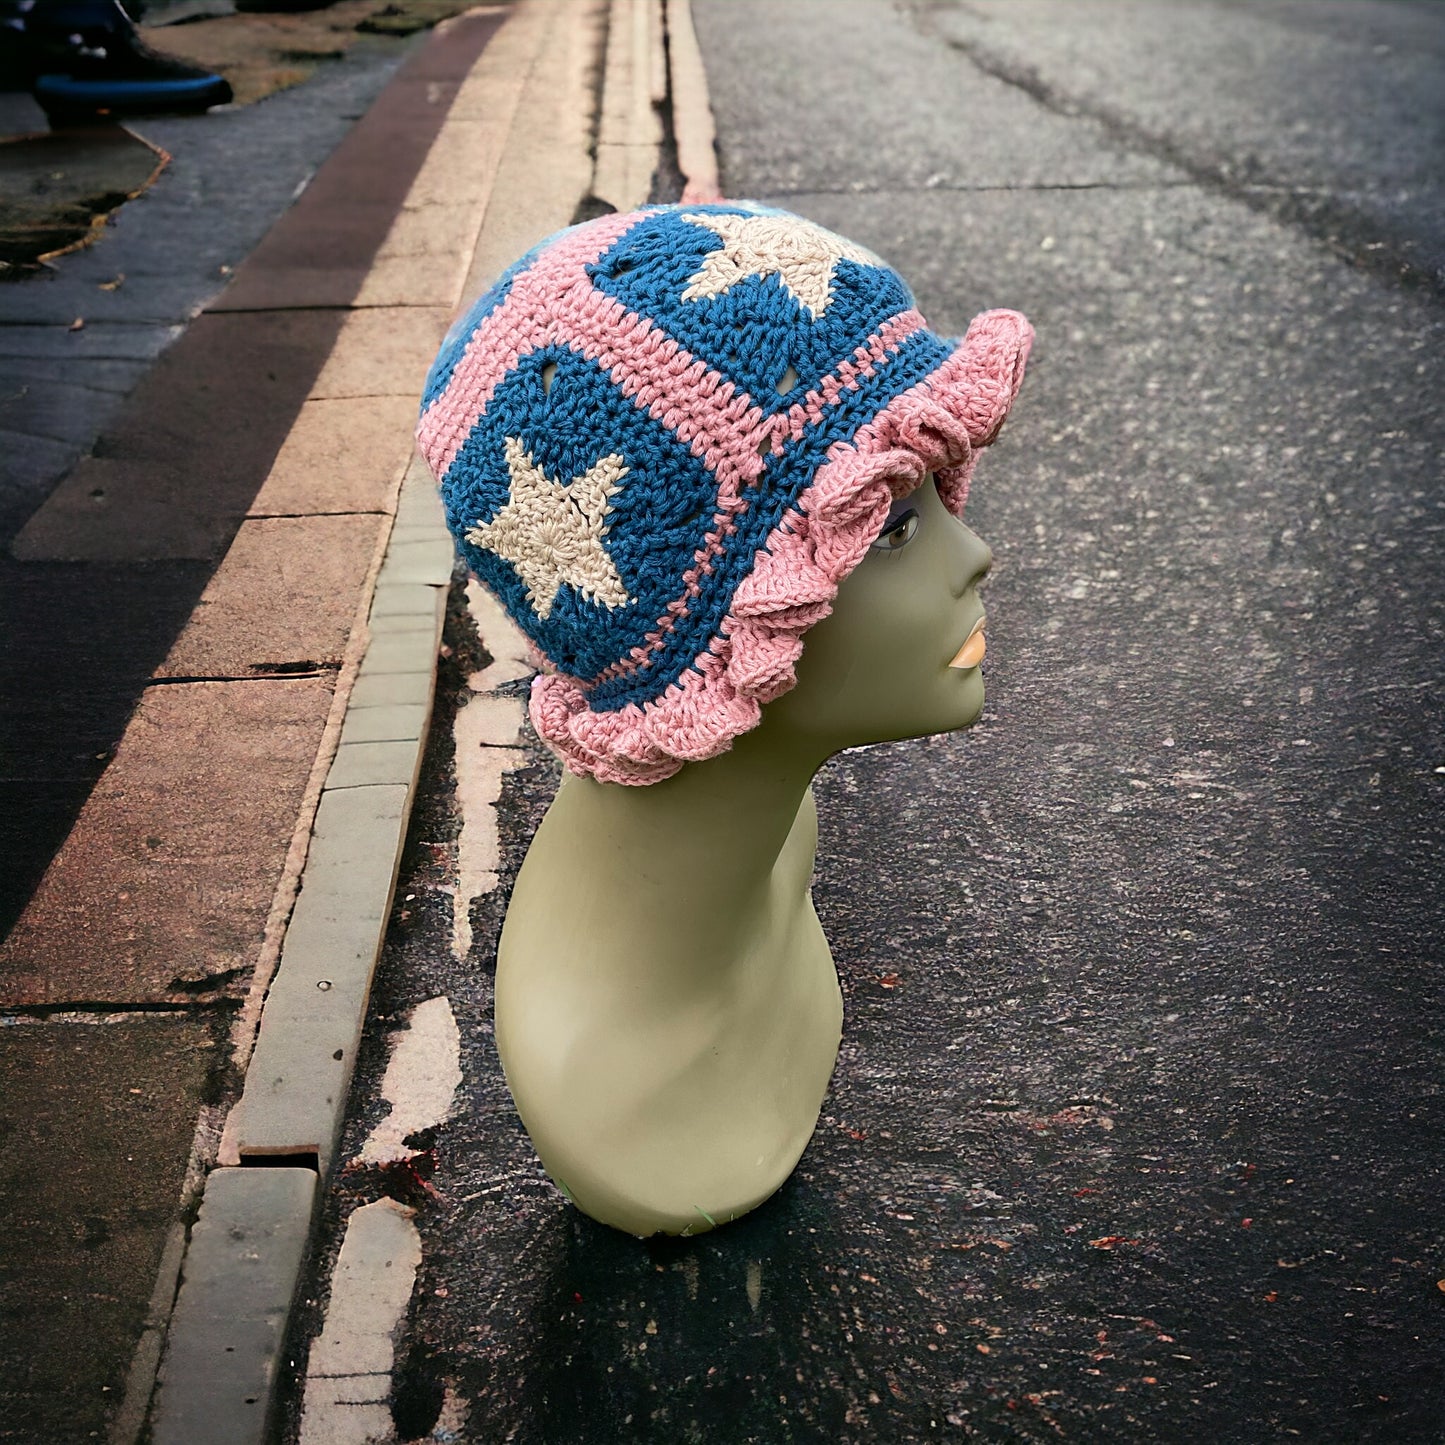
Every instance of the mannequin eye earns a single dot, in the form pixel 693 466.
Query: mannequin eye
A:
pixel 897 532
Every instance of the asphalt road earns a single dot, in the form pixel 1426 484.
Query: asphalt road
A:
pixel 1136 1134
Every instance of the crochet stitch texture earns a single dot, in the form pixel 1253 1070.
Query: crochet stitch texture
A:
pixel 664 438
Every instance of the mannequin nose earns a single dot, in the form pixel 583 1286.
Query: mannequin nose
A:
pixel 972 562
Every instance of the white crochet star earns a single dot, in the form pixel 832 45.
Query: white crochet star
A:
pixel 552 532
pixel 801 255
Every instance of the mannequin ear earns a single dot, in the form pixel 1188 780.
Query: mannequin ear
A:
pixel 982 378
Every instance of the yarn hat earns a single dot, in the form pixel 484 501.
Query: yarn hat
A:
pixel 664 438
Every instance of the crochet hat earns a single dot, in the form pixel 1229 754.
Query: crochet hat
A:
pixel 663 439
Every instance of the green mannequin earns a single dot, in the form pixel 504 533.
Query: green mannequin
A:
pixel 667 1010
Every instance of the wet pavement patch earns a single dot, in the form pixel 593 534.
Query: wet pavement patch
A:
pixel 56 190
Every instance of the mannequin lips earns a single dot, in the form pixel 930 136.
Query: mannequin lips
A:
pixel 972 651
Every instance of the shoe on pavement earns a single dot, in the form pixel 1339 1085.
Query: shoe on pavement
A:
pixel 87 63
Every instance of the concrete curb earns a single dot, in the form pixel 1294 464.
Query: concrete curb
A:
pixel 693 128
pixel 628 127
pixel 518 138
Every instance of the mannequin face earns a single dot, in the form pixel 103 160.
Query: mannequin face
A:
pixel 878 667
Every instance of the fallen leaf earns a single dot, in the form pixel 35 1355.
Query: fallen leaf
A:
pixel 1112 1241
pixel 888 980
pixel 78 323
pixel 113 285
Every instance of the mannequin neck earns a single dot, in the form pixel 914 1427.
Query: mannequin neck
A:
pixel 719 826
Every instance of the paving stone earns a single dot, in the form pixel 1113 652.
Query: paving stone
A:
pixel 29 467
pixel 319 253
pixel 184 461
pixel 231 1314
pixel 97 1115
pixel 383 351
pixel 414 526
pixel 419 503
pixel 429 561
pixel 284 598
pixel 146 296
pixel 317 256
pixel 413 281
pixel 359 765
pixel 297 1079
pixel 442 229
pixel 112 341
pixel 409 599
pixel 161 891
pixel 111 626
pixel 79 522
pixel 67 411
pixel 392 624
pixel 463 164
pixel 340 456
pixel 296 1083
pixel 100 373
pixel 403 651
pixel 385 724
pixel 388 689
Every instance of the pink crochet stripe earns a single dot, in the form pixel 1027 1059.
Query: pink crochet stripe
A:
pixel 937 425
pixel 514 329
pixel 720 425
pixel 791 425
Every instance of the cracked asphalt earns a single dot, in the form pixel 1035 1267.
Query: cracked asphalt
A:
pixel 1136 1133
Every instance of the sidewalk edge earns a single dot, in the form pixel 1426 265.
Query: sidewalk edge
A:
pixel 331 910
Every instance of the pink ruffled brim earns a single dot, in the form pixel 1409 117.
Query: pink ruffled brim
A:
pixel 937 426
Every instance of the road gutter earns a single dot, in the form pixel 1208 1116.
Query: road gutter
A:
pixel 520 131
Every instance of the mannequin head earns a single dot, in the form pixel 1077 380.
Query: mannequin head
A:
pixel 878 667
